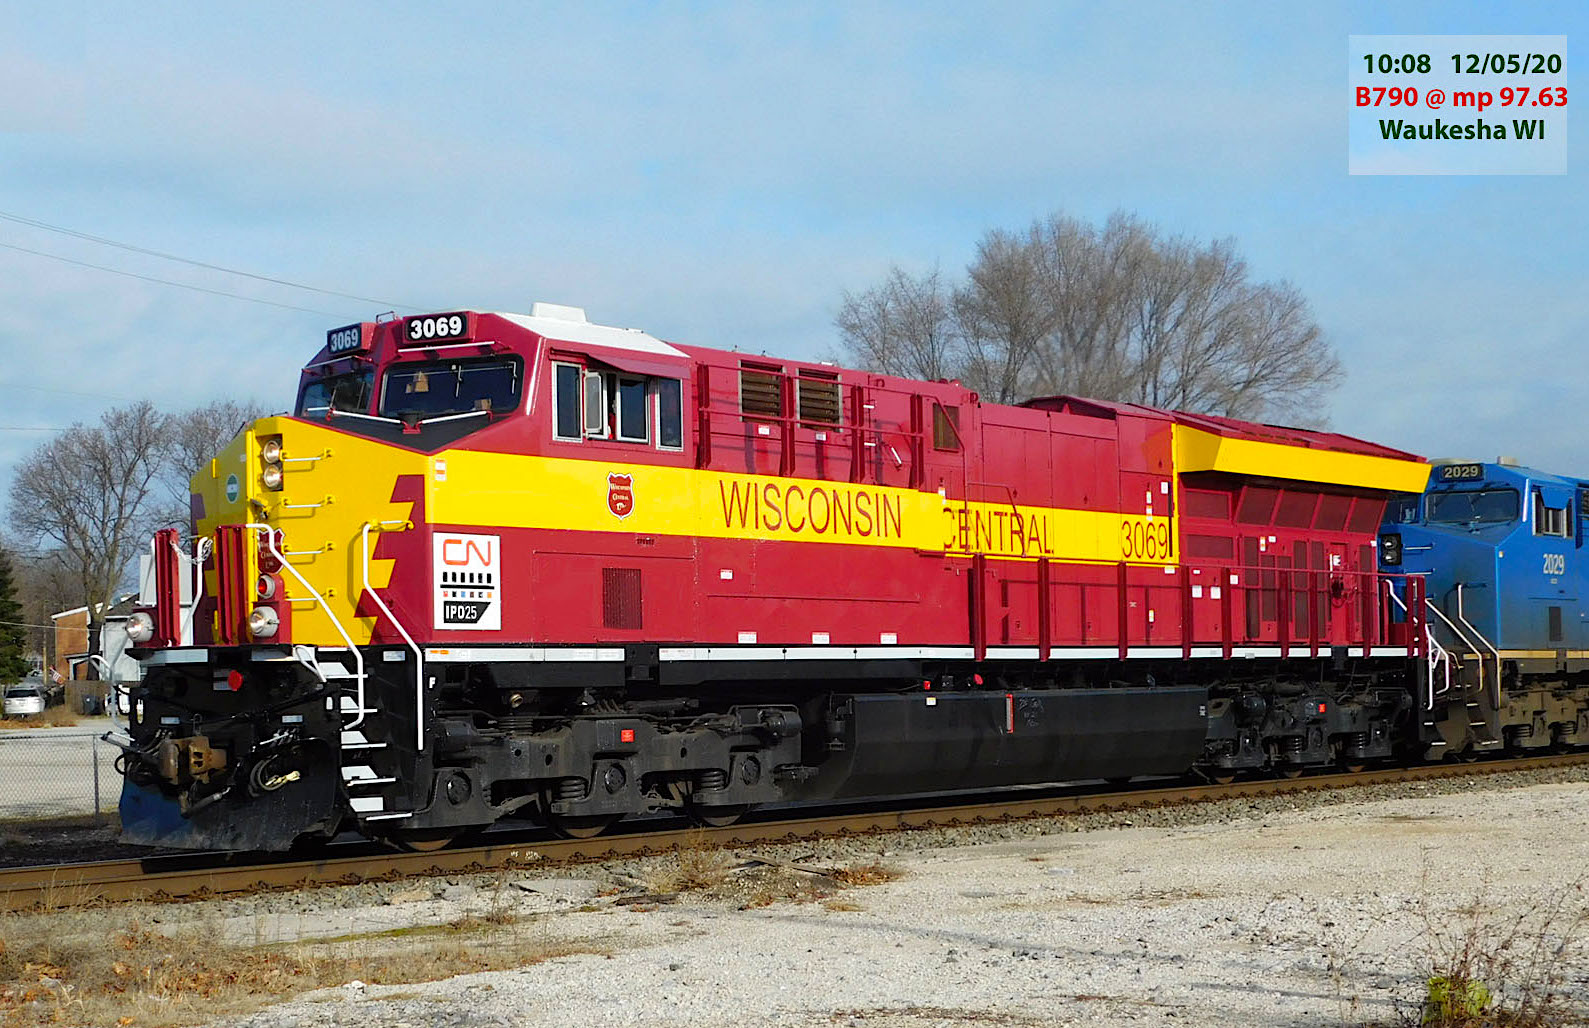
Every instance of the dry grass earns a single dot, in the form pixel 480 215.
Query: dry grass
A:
pixel 53 717
pixel 860 875
pixel 93 968
pixel 694 866
pixel 698 867
pixel 1501 965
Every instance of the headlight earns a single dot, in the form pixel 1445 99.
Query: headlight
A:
pixel 271 476
pixel 263 622
pixel 1390 549
pixel 140 627
pixel 270 453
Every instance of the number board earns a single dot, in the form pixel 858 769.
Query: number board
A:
pixel 1459 472
pixel 348 339
pixel 433 328
pixel 1583 504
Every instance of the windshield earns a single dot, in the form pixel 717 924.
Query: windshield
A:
pixel 350 392
pixel 22 692
pixel 1487 506
pixel 437 388
pixel 1403 509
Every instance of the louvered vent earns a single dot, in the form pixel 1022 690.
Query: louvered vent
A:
pixel 819 399
pixel 620 597
pixel 759 393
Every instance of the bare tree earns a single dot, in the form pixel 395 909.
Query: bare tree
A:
pixel 1004 315
pixel 45 586
pixel 89 493
pixel 1122 312
pixel 903 327
pixel 193 438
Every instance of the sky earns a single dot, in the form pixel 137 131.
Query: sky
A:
pixel 720 174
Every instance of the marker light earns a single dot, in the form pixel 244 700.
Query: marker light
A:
pixel 263 622
pixel 140 627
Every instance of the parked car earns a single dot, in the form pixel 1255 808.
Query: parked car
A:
pixel 24 700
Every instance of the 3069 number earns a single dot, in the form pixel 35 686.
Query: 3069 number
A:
pixel 440 326
pixel 1145 540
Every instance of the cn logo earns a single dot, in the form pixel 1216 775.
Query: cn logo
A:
pixel 458 552
pixel 620 494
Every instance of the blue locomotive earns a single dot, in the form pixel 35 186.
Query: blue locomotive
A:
pixel 1501 551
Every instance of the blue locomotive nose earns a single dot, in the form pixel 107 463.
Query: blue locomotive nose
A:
pixel 1503 548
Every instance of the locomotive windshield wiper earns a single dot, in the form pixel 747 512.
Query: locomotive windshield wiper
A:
pixel 450 417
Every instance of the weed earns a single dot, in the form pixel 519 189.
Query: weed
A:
pixel 1511 965
pixel 694 866
pixel 75 967
pixel 860 875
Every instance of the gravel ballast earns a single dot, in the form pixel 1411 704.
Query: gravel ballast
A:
pixel 1310 909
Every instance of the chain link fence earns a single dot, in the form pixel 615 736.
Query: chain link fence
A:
pixel 56 773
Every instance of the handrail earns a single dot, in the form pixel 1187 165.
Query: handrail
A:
pixel 1437 653
pixel 1461 635
pixel 1496 688
pixel 113 707
pixel 203 546
pixel 358 657
pixel 419 655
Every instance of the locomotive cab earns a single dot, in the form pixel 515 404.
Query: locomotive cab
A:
pixel 1501 550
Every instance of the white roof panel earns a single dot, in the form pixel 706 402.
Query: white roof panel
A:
pixel 569 330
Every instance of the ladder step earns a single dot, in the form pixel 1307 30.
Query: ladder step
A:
pixel 390 816
pixel 360 783
pixel 364 745
pixel 363 774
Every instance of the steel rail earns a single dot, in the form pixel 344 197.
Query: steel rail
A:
pixel 155 879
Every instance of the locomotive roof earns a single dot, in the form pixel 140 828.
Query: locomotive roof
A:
pixel 633 349
pixel 1230 428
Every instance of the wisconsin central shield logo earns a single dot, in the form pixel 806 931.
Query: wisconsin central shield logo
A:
pixel 620 494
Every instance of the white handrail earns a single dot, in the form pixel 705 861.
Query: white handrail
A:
pixel 419 654
pixel 1462 616
pixel 1438 655
pixel 1462 636
pixel 113 698
pixel 203 546
pixel 358 657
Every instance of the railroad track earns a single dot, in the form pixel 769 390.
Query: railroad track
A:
pixel 165 878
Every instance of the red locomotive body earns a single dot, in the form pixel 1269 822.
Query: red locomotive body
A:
pixel 552 559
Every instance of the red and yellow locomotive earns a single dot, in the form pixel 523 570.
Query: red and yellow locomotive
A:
pixel 500 565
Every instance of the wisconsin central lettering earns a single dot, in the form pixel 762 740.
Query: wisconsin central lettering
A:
pixel 1010 532
pixel 810 510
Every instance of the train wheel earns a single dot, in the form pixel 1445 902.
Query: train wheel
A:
pixel 716 815
pixel 583 827
pixel 426 840
pixel 1222 777
pixel 1292 772
pixel 1353 769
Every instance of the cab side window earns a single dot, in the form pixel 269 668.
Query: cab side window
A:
pixel 590 403
pixel 1550 520
pixel 565 401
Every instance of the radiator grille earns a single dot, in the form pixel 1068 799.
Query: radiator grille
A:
pixel 760 392
pixel 819 398
pixel 620 597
